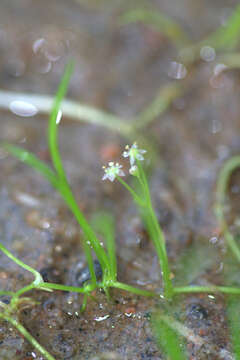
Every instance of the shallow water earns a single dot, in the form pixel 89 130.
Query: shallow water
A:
pixel 118 69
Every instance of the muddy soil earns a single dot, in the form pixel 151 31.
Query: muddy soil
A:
pixel 118 69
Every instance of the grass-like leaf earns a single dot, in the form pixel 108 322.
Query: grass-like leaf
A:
pixel 53 125
pixel 26 335
pixel 159 22
pixel 226 37
pixel 104 225
pixel 32 161
pixel 167 338
pixel 233 309
pixel 58 179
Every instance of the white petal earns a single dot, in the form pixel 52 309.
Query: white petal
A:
pixel 125 154
pixel 139 157
pixel 111 177
pixel 105 176
pixel 142 151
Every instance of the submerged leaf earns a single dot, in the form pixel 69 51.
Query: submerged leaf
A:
pixel 167 338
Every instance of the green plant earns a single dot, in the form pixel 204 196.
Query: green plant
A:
pixel 104 225
pixel 58 180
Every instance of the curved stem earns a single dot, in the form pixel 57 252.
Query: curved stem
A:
pixel 38 277
pixel 132 192
pixel 28 336
pixel 222 184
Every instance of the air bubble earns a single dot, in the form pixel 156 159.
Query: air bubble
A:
pixel 23 108
pixel 207 53
pixel 177 71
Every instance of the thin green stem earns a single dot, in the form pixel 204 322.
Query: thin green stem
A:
pixel 88 231
pixel 111 246
pixel 38 277
pixel 222 185
pixel 53 125
pixel 87 251
pixel 155 231
pixel 132 289
pixel 65 288
pixel 206 289
pixel 7 293
pixel 158 239
pixel 28 336
pixel 135 196
pixel 15 298
pixel 84 303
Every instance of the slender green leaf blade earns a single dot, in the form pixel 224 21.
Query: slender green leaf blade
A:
pixel 167 338
pixel 87 250
pixel 104 224
pixel 226 37
pixel 53 121
pixel 233 308
pixel 31 160
pixel 160 22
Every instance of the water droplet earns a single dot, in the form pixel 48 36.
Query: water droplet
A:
pixel 219 68
pixel 213 240
pixel 38 44
pixel 207 53
pixel 220 268
pixel 44 67
pixel 211 297
pixel 23 108
pixel 128 314
pixel 101 318
pixel 27 199
pixel 177 71
pixel 216 126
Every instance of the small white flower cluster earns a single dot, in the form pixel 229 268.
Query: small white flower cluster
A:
pixel 114 170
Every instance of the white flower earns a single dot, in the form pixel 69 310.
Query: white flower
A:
pixel 134 153
pixel 112 171
pixel 133 170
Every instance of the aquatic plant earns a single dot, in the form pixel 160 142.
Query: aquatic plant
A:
pixel 103 224
pixel 166 331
